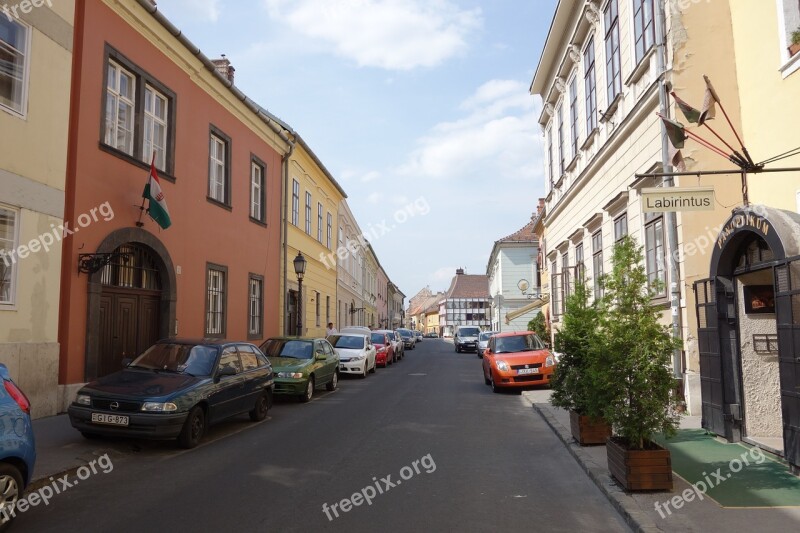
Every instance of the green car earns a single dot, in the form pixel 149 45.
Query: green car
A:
pixel 300 365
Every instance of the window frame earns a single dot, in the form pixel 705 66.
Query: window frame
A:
pixel 613 56
pixel 573 109
pixel 141 79
pixel 597 262
pixel 590 86
pixel 251 334
pixel 22 112
pixel 579 266
pixel 147 157
pixel 657 264
pixel 550 155
pixel 620 223
pixel 639 29
pixel 224 301
pixel 320 211
pixel 309 201
pixel 555 289
pixel 256 162
pixel 561 158
pixel 330 231
pixel 215 132
pixel 11 303
pixel 295 203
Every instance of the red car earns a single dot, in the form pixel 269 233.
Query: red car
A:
pixel 515 360
pixel 384 355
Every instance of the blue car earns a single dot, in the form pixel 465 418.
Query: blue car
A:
pixel 175 390
pixel 17 447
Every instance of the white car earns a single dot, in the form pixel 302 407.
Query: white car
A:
pixel 356 353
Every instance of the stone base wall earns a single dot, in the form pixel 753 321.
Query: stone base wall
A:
pixel 34 367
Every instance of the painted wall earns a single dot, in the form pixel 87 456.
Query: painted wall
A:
pixel 201 231
pixel 33 155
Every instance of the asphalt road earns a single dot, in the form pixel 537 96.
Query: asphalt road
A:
pixel 484 462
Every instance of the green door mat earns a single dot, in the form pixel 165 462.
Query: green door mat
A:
pixel 734 475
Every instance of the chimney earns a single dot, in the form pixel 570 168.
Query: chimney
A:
pixel 224 67
pixel 540 207
pixel 460 272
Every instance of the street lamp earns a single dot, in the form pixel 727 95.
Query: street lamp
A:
pixel 300 270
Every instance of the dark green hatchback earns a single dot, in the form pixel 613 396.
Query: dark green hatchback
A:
pixel 301 364
pixel 176 389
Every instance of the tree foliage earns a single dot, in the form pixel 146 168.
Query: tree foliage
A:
pixel 539 325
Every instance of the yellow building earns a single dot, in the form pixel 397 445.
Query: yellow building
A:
pixel 310 227
pixel 747 288
pixel 34 117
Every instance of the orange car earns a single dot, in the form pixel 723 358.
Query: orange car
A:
pixel 518 359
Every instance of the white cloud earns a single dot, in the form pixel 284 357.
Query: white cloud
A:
pixel 499 137
pixel 375 197
pixel 370 176
pixel 444 274
pixel 201 9
pixel 388 34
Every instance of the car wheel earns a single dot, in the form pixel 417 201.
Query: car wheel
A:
pixel 495 388
pixel 366 370
pixel 306 396
pixel 333 383
pixel 263 403
pixel 193 428
pixel 374 367
pixel 10 491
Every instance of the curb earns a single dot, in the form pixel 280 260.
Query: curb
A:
pixel 71 471
pixel 622 502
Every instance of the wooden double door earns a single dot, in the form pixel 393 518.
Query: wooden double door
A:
pixel 129 324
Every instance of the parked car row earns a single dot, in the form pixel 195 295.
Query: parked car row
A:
pixel 177 388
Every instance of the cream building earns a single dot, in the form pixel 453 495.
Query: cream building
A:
pixel 34 116
pixel 350 270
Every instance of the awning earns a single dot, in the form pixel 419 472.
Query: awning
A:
pixel 535 304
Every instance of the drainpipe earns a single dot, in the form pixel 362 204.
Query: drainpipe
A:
pixel 670 217
pixel 284 249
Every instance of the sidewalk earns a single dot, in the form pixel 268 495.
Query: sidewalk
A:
pixel 639 509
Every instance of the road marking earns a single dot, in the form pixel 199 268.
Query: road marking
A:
pixel 418 374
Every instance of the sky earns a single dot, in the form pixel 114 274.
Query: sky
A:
pixel 419 108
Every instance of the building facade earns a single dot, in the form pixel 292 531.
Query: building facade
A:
pixel 466 303
pixel 350 270
pixel 396 300
pixel 215 271
pixel 370 285
pixel 513 279
pixel 37 47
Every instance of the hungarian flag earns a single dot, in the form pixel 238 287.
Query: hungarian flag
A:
pixel 709 108
pixel 157 209
pixel 675 131
pixel 676 159
pixel 691 114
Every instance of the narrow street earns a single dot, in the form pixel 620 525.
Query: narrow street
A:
pixel 494 465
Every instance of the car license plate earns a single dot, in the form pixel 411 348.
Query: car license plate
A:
pixel 524 371
pixel 114 420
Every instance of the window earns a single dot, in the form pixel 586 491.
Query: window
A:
pixel 8 249
pixel 550 157
pixel 565 283
pixel 308 213
pixel 248 357
pixel 138 114
pixel 789 20
pixel 155 127
pixel 554 291
pixel 216 294
pixel 597 263
pixel 560 115
pixel 654 253
pixel 255 307
pixel 295 202
pixel 257 196
pixel 330 231
pixel 230 359
pixel 120 103
pixel 590 87
pixel 643 27
pixel 327 310
pixel 219 167
pixel 573 113
pixel 579 269
pixel 14 39
pixel 319 222
pixel 613 74
pixel 317 306
pixel 620 227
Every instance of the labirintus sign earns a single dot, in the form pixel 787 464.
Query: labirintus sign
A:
pixel 660 199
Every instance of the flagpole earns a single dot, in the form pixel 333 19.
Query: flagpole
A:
pixel 725 114
pixel 139 222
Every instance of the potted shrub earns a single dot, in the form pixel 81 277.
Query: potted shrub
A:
pixel 538 325
pixel 637 374
pixel 574 385
pixel 794 45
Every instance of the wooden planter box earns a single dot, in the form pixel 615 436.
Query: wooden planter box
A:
pixel 640 469
pixel 793 49
pixel 588 431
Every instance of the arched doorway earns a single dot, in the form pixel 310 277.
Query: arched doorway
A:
pixel 131 301
pixel 748 315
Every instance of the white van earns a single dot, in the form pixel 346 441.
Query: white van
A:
pixel 466 338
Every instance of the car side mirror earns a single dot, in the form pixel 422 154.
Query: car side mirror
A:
pixel 226 371
pixel 320 356
pixel 127 362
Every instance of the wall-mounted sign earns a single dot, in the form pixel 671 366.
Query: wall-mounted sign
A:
pixel 660 199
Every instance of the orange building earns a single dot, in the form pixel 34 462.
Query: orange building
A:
pixel 141 88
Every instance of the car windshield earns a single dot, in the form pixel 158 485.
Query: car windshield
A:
pixel 468 332
pixel 518 343
pixel 485 335
pixel 346 341
pixel 378 338
pixel 391 335
pixel 296 349
pixel 190 359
